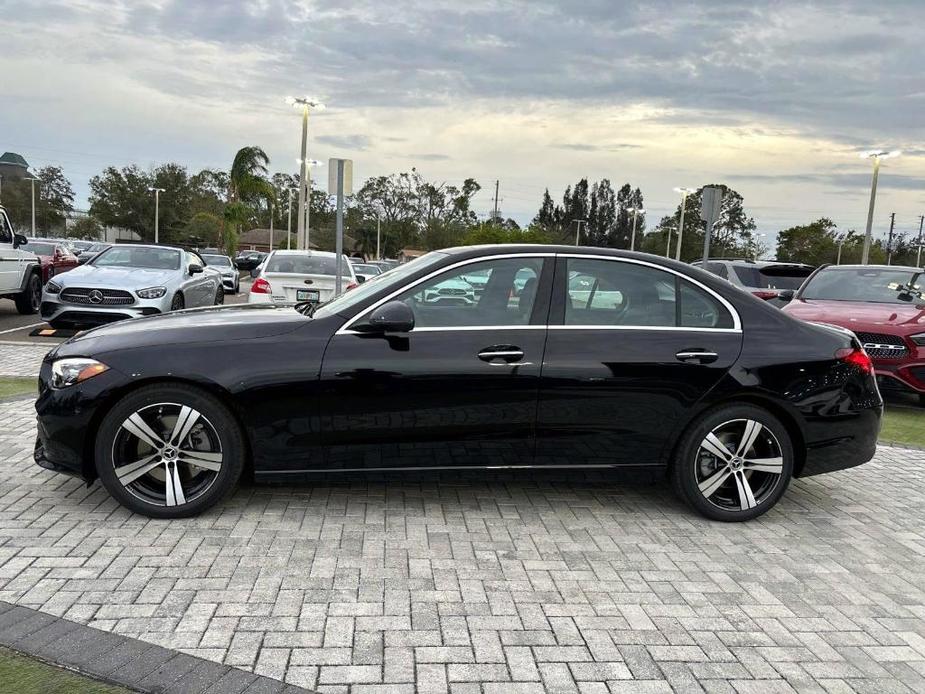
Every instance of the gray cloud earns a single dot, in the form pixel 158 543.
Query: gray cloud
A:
pixel 839 180
pixel 354 141
pixel 429 157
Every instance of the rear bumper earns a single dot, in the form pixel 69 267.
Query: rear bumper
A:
pixel 849 443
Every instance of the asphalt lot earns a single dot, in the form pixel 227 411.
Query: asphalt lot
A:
pixel 17 328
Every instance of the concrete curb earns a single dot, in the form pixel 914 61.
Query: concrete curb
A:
pixel 124 661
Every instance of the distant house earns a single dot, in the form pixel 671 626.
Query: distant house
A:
pixel 13 165
pixel 408 254
pixel 259 240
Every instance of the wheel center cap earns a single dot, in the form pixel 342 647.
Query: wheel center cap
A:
pixel 169 453
pixel 736 463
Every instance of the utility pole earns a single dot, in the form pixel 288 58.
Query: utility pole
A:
pixel 378 236
pixel 918 255
pixel 889 240
pixel 157 202
pixel 494 214
pixel 578 231
pixel 271 226
pixel 32 180
pixel 635 210
pixel 841 242
pixel 684 193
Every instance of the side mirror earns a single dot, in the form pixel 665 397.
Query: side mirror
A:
pixel 360 279
pixel 392 317
pixel 19 240
pixel 785 295
pixel 255 272
pixel 195 269
pixel 82 259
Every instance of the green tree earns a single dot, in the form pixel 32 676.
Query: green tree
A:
pixel 248 187
pixel 204 229
pixel 54 199
pixel 814 243
pixel 87 228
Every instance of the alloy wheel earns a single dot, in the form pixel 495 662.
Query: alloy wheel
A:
pixel 35 293
pixel 167 454
pixel 738 465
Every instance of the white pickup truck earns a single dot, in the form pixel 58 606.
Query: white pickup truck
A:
pixel 20 271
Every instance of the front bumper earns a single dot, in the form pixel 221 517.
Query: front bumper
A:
pixel 906 377
pixel 230 282
pixel 54 309
pixel 67 421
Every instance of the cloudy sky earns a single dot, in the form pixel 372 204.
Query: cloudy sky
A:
pixel 774 98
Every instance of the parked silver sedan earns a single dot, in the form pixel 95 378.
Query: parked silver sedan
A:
pixel 231 278
pixel 127 281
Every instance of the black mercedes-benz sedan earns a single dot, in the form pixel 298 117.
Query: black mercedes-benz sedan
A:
pixel 561 357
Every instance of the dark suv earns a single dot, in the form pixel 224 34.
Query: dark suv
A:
pixel 766 279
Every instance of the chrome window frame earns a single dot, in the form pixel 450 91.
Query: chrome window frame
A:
pixel 736 320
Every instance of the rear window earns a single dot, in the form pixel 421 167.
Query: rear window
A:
pixel 306 265
pixel 39 248
pixel 772 277
pixel 217 260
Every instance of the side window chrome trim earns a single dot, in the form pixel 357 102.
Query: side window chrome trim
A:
pixel 668 328
pixel 345 328
pixel 736 321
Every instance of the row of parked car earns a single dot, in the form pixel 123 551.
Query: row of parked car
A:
pixel 884 305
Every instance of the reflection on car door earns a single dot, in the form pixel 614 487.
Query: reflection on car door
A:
pixel 459 390
pixel 631 347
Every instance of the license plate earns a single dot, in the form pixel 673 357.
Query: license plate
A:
pixel 306 295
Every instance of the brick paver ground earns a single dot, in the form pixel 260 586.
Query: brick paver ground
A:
pixel 21 360
pixel 492 583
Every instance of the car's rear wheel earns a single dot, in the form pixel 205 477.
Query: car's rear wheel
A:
pixel 30 299
pixel 169 451
pixel 178 303
pixel 734 463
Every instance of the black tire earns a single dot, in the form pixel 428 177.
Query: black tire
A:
pixel 178 304
pixel 219 296
pixel 137 495
pixel 30 299
pixel 695 466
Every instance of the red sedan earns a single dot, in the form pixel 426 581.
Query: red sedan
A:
pixel 55 257
pixel 884 306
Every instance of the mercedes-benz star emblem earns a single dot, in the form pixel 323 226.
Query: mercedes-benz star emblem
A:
pixel 95 296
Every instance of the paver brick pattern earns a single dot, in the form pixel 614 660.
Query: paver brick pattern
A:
pixel 22 360
pixel 492 582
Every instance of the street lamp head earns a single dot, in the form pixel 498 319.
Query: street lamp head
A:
pixel 304 102
pixel 636 210
pixel 308 162
pixel 685 191
pixel 880 154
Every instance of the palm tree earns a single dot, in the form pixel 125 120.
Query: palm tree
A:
pixel 247 184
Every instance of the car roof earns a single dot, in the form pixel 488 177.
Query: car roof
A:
pixel 907 268
pixel 309 253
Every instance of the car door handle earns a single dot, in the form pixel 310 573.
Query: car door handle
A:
pixel 702 356
pixel 501 354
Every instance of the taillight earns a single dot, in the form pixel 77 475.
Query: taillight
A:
pixel 260 286
pixel 352 285
pixel 765 295
pixel 855 357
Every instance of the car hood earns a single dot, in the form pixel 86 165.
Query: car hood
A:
pixel 211 324
pixel 117 277
pixel 898 319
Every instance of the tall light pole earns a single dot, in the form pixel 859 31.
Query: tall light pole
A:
pixel 877 156
pixel 578 230
pixel 271 226
pixel 289 221
pixel 918 255
pixel 32 180
pixel 157 202
pixel 309 165
pixel 635 211
pixel 306 104
pixel 684 193
pixel 379 236
pixel 841 242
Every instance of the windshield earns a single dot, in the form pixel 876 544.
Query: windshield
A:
pixel 385 282
pixel 877 285
pixel 138 256
pixel 39 248
pixel 305 264
pixel 772 277
pixel 217 260
pixel 367 269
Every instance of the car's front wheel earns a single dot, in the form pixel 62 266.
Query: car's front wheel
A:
pixel 733 463
pixel 177 303
pixel 30 300
pixel 169 451
pixel 219 296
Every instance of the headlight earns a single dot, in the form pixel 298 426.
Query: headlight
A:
pixel 67 372
pixel 52 288
pixel 918 339
pixel 152 292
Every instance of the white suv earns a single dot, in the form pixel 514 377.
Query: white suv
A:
pixel 20 271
